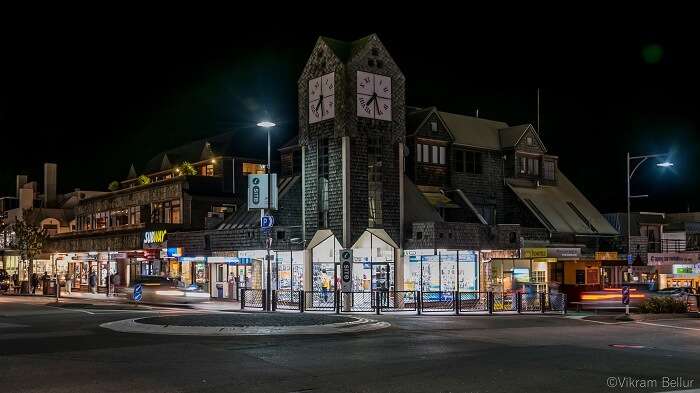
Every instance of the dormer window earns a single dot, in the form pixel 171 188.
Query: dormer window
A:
pixel 433 126
pixel 529 141
pixel 549 170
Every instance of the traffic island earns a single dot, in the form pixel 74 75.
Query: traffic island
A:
pixel 246 324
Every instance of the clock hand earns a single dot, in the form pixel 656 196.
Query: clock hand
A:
pixel 372 99
pixel 320 100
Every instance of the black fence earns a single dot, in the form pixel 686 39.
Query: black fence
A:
pixel 416 301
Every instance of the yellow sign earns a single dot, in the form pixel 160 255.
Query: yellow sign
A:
pixel 547 260
pixel 606 256
pixel 533 253
pixel 152 237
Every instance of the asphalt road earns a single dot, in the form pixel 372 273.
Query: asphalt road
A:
pixel 48 349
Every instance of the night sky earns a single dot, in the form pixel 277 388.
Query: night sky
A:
pixel 96 98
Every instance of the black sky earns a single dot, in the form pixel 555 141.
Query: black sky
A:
pixel 95 98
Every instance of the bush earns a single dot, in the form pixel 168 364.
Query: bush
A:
pixel 113 186
pixel 143 179
pixel 663 305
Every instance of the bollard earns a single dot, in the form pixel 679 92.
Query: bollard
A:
pixel 455 295
pixel 264 300
pixel 564 305
pixel 519 302
pixel 489 301
pixel 419 304
pixel 274 300
pixel 378 304
pixel 543 302
pixel 302 298
pixel 337 302
pixel 242 298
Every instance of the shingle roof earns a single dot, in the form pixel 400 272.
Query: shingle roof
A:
pixel 510 136
pixel 474 131
pixel 238 143
pixel 556 208
pixel 344 50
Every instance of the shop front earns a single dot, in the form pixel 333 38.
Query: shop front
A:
pixel 430 270
pixel 496 270
pixel 676 269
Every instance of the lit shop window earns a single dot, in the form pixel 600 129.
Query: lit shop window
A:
pixel 255 169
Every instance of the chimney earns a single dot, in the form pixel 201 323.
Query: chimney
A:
pixel 49 184
pixel 21 181
pixel 26 198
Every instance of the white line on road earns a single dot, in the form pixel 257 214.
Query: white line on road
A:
pixel 668 326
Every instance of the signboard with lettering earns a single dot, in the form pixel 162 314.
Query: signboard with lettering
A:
pixel 606 256
pixel 154 238
pixel 555 252
pixel 346 269
pixel 258 191
pixel 533 253
pixel 671 258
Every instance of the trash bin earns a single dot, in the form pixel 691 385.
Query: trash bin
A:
pixel 232 292
pixel 220 291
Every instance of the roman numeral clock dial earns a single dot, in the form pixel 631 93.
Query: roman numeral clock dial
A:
pixel 373 96
pixel 322 98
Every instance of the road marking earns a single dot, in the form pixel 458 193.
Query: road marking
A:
pixel 582 318
pixel 668 326
pixel 72 309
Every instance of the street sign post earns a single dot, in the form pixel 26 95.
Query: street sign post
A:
pixel 626 299
pixel 346 276
pixel 138 292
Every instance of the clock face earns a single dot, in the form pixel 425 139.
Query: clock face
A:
pixel 322 98
pixel 373 96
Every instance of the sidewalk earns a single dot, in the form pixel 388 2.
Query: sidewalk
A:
pixel 212 305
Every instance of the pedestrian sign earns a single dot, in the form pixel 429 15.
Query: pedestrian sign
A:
pixel 625 295
pixel 138 292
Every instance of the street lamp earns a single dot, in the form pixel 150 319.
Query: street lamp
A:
pixel 268 280
pixel 641 160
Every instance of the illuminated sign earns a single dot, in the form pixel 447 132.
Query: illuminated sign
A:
pixel 533 253
pixel 153 237
pixel 606 256
pixel 174 251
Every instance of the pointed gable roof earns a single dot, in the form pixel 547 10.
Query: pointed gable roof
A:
pixel 132 173
pixel 511 136
pixel 473 131
pixel 345 50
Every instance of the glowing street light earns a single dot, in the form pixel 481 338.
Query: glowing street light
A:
pixel 268 242
pixel 665 164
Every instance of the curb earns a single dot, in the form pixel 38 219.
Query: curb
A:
pixel 356 326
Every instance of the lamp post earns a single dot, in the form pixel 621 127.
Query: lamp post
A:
pixel 640 160
pixel 268 281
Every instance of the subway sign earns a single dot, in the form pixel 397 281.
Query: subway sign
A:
pixel 154 237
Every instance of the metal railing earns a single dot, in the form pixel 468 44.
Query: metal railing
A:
pixel 416 301
pixel 473 301
pixel 252 298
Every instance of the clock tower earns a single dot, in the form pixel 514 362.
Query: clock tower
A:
pixel 351 130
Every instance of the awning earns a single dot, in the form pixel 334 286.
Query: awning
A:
pixel 562 208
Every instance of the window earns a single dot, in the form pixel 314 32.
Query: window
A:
pixel 467 161
pixel 539 215
pixel 529 166
pixel 426 153
pixel 419 153
pixel 255 169
pixel 134 215
pixel 433 126
pixel 436 159
pixel 323 167
pixel 538 276
pixel 374 180
pixel 207 242
pixel 220 273
pixel 580 277
pixel 582 217
pixel 548 170
pixel 443 152
pixel 207 170
pixel 529 140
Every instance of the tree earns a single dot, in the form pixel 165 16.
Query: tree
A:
pixel 143 179
pixel 29 239
pixel 113 186
pixel 187 169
